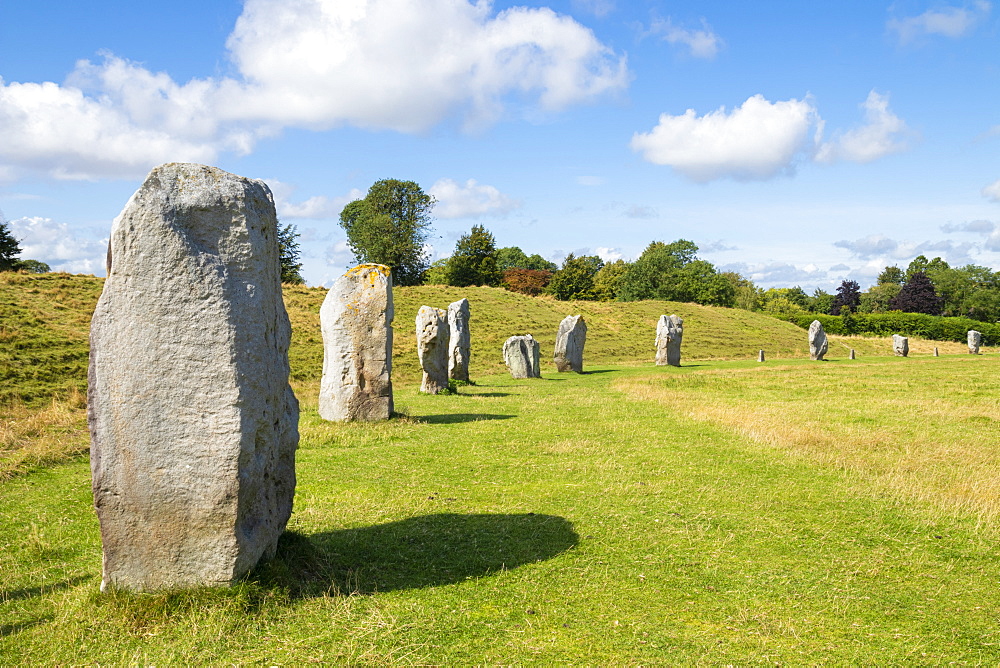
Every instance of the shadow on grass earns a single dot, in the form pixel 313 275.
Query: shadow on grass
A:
pixel 11 629
pixel 31 592
pixel 423 551
pixel 485 394
pixel 455 418
pixel 587 373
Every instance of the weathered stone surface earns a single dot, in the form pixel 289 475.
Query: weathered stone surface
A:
pixel 522 356
pixel 975 341
pixel 570 341
pixel 356 321
pixel 432 348
pixel 900 345
pixel 669 331
pixel 193 424
pixel 852 355
pixel 760 356
pixel 818 345
pixel 460 340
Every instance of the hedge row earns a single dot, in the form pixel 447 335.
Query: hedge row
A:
pixel 936 327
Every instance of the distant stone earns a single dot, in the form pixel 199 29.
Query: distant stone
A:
pixel 521 354
pixel 818 344
pixel 669 331
pixel 760 356
pixel 570 340
pixel 193 423
pixel 852 356
pixel 936 352
pixel 432 348
pixel 459 341
pixel 975 340
pixel 356 321
pixel 900 345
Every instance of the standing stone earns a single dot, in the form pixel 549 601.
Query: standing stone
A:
pixel 356 320
pixel 900 345
pixel 459 342
pixel 818 345
pixel 852 354
pixel 669 331
pixel 760 356
pixel 975 340
pixel 432 348
pixel 193 424
pixel 521 354
pixel 570 340
pixel 936 352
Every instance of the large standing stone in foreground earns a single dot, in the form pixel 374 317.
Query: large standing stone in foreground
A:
pixel 900 345
pixel 818 345
pixel 432 348
pixel 975 340
pixel 460 341
pixel 669 331
pixel 521 355
pixel 356 320
pixel 570 340
pixel 193 424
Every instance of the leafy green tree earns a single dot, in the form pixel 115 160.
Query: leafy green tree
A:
pixel 9 248
pixel 921 264
pixel 538 263
pixel 893 275
pixel 474 261
pixel 390 226
pixel 289 254
pixel 821 301
pixel 437 273
pixel 511 257
pixel 673 272
pixel 746 295
pixel 608 280
pixel 879 298
pixel 32 267
pixel 575 280
pixel 848 296
pixel 918 296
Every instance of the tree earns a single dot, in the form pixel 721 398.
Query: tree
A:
pixel 437 273
pixel 9 248
pixel 654 275
pixel 526 281
pixel 848 296
pixel 288 254
pixel 474 261
pixel 32 267
pixel 746 295
pixel 511 257
pixel 390 226
pixel 575 280
pixel 608 279
pixel 879 298
pixel 539 263
pixel 891 274
pixel 918 296
pixel 820 302
pixel 929 267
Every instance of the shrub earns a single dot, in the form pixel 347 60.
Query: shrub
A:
pixel 526 281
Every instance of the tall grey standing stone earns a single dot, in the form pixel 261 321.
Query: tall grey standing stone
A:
pixel 432 348
pixel 900 345
pixel 760 356
pixel 570 340
pixel 459 341
pixel 818 344
pixel 975 340
pixel 522 357
pixel 356 321
pixel 669 332
pixel 852 355
pixel 193 424
pixel 936 352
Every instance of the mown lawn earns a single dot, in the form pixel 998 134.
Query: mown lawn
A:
pixel 632 515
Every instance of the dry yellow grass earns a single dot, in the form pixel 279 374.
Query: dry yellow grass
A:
pixel 31 437
pixel 921 429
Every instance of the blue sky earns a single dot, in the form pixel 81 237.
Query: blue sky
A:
pixel 798 143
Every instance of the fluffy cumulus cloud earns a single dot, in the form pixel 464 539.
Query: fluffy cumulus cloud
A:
pixel 315 207
pixel 770 274
pixel 755 141
pixel 947 21
pixel 58 246
pixel 992 191
pixel 700 43
pixel 469 199
pixel 386 64
pixel 761 139
pixel 878 247
pixel 608 254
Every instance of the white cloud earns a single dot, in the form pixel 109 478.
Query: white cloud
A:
pixel 701 43
pixel 756 141
pixel 599 8
pixel 608 254
pixel 469 200
pixel 976 226
pixel 769 274
pixel 316 207
pixel 641 211
pixel 56 245
pixel 878 137
pixel 717 246
pixel 387 64
pixel 992 192
pixel 947 21
pixel 880 247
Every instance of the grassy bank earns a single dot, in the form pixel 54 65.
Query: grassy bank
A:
pixel 723 512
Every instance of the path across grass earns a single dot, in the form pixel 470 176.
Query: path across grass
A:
pixel 623 516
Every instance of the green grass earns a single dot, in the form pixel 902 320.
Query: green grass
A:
pixel 616 517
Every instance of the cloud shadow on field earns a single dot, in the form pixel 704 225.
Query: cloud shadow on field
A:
pixel 418 552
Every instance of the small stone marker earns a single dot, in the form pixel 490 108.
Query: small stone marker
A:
pixel 459 340
pixel 936 351
pixel 975 340
pixel 432 348
pixel 570 340
pixel 900 345
pixel 193 424
pixel 760 356
pixel 852 354
pixel 669 332
pixel 356 321
pixel 521 354
pixel 818 344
